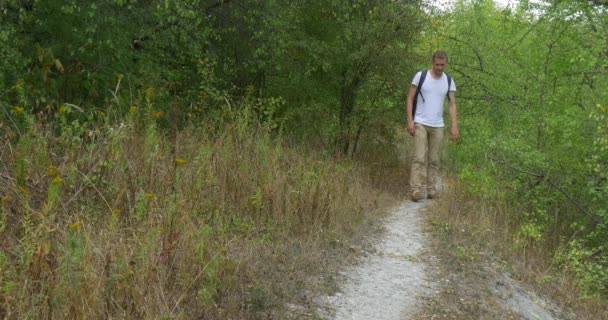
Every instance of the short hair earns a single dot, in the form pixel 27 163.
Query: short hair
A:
pixel 440 55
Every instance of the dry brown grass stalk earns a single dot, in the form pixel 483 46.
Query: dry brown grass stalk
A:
pixel 133 224
pixel 483 230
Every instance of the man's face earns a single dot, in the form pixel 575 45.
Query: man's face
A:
pixel 439 65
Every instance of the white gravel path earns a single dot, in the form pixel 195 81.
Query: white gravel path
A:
pixel 392 280
pixel 385 285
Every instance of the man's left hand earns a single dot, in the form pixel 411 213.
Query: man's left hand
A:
pixel 455 134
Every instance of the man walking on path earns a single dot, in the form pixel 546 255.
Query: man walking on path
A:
pixel 425 124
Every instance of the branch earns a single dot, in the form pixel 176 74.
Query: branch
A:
pixel 475 50
pixel 217 4
pixel 543 178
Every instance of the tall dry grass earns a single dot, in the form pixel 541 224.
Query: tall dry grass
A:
pixel 132 222
pixel 489 229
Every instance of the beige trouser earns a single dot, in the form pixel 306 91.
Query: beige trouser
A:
pixel 425 166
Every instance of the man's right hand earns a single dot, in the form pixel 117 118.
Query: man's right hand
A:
pixel 411 128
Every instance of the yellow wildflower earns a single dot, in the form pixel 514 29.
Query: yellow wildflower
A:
pixel 180 162
pixel 133 109
pixel 18 109
pixel 149 196
pixel 157 114
pixel 52 171
pixel 58 65
pixel 149 92
pixel 57 181
pixel 115 212
pixel 63 109
pixel 76 225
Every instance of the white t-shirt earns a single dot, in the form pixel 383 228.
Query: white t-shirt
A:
pixel 429 111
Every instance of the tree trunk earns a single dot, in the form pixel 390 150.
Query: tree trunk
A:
pixel 347 106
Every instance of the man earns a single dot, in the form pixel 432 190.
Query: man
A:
pixel 426 125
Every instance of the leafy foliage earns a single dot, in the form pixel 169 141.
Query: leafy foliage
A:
pixel 532 77
pixel 98 78
pixel 335 69
pixel 144 137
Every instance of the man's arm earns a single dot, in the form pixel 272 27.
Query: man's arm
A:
pixel 454 118
pixel 409 106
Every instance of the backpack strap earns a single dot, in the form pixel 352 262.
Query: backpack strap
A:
pixel 449 85
pixel 418 87
pixel 420 82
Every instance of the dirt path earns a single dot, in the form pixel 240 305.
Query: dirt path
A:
pixel 386 283
pixel 405 277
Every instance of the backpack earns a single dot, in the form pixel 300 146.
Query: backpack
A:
pixel 419 86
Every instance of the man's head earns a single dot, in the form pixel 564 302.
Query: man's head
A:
pixel 440 60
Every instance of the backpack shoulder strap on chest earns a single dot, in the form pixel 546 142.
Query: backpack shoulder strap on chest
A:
pixel 420 82
pixel 449 85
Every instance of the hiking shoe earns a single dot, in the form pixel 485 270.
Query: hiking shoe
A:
pixel 416 196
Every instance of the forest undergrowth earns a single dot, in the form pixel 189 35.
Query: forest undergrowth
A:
pixel 488 232
pixel 133 221
pixel 129 221
pixel 202 158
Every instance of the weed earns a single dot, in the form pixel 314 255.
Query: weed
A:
pixel 133 223
pixel 522 241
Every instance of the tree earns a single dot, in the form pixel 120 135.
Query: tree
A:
pixel 533 77
pixel 336 63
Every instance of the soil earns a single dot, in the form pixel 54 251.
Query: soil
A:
pixel 410 274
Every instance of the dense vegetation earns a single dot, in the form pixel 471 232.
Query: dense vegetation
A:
pixel 174 159
pixel 152 150
pixel 533 83
pixel 323 68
